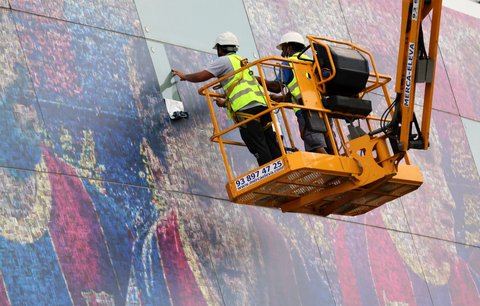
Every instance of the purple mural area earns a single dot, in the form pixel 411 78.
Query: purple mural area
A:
pixel 105 201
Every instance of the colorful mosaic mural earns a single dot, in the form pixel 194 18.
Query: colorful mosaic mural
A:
pixel 105 201
pixel 113 15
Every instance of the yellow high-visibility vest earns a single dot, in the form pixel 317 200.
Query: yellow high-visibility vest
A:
pixel 242 88
pixel 293 85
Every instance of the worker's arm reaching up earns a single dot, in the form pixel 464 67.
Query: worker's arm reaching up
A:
pixel 195 77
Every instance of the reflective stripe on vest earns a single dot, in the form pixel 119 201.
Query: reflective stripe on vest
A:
pixel 293 85
pixel 246 88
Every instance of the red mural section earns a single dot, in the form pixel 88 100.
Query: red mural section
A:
pixel 280 278
pixel 181 281
pixel 392 284
pixel 3 293
pixel 77 236
pixel 52 46
pixel 375 266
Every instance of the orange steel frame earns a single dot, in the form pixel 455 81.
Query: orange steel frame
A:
pixel 407 55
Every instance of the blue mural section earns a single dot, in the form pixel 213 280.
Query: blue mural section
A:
pixel 96 89
pixel 65 99
pixel 105 201
pixel 21 125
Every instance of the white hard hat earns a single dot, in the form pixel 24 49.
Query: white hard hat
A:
pixel 291 37
pixel 226 39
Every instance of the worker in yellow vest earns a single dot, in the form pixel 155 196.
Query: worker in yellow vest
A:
pixel 244 97
pixel 285 88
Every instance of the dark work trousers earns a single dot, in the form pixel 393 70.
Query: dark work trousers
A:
pixel 260 140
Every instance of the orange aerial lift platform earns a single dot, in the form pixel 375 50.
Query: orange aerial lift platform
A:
pixel 368 164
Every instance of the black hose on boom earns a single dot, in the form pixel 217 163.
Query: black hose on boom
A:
pixel 387 127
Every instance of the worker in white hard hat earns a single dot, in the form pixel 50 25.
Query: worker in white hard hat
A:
pixel 244 98
pixel 285 88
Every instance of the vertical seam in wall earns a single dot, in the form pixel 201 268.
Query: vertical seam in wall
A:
pixel 345 20
pixel 324 263
pixel 440 54
pixel 251 29
pixel 202 219
pixel 416 251
pixel 139 20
